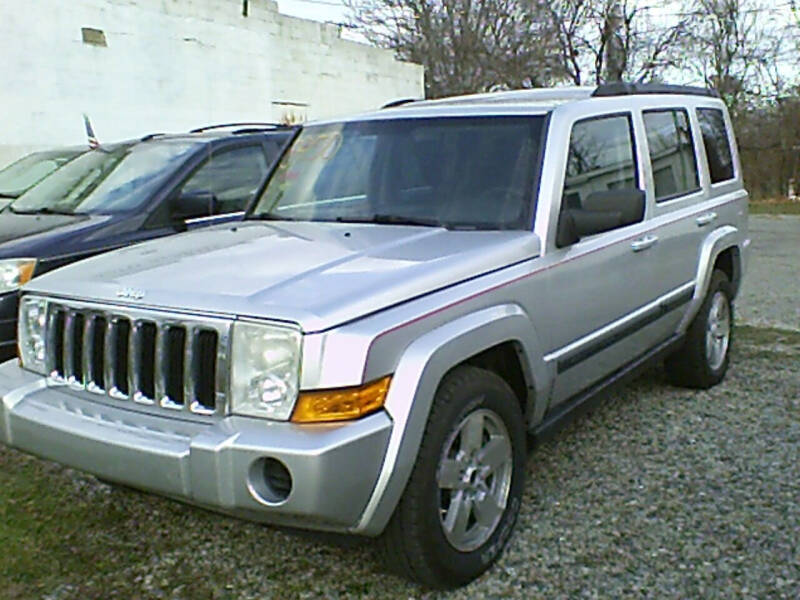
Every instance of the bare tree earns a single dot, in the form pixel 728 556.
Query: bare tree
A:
pixel 732 48
pixel 464 45
pixel 612 40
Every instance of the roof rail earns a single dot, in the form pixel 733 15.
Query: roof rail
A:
pixel 150 136
pixel 399 102
pixel 227 125
pixel 632 89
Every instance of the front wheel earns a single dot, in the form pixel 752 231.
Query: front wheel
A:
pixel 703 359
pixel 462 499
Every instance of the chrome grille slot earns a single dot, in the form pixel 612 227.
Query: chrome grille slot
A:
pixel 55 342
pixel 73 348
pixel 172 362
pixel 173 343
pixel 143 350
pixel 94 338
pixel 117 345
pixel 205 368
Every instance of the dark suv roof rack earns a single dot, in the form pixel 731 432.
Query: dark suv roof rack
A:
pixel 632 89
pixel 228 125
pixel 150 136
pixel 399 102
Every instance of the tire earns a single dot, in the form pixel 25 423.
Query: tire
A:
pixel 416 544
pixel 702 360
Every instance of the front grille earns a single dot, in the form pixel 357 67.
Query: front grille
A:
pixel 165 361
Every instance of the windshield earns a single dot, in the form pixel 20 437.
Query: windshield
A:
pixel 29 170
pixel 106 181
pixel 463 172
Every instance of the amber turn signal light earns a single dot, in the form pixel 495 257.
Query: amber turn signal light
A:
pixel 342 404
pixel 26 271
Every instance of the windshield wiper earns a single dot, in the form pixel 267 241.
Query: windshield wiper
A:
pixel 268 216
pixel 5 195
pixel 392 220
pixel 44 211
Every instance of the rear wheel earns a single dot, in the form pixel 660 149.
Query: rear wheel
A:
pixel 463 496
pixel 703 359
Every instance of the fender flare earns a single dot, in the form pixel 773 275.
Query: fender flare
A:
pixel 419 372
pixel 715 244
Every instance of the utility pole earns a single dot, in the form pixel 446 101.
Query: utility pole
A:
pixel 614 60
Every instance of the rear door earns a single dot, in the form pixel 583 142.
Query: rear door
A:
pixel 678 196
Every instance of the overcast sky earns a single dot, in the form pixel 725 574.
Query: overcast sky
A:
pixel 776 12
pixel 334 10
pixel 319 10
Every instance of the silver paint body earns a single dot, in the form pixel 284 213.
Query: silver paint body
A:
pixel 401 300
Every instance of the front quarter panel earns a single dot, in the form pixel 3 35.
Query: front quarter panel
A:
pixel 420 369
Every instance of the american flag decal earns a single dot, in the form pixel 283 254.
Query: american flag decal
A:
pixel 93 143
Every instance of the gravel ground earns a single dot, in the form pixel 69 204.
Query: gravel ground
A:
pixel 771 291
pixel 660 492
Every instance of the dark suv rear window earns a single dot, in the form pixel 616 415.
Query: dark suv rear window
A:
pixel 717 144
pixel 669 137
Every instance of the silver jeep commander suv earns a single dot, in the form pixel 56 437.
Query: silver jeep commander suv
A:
pixel 411 293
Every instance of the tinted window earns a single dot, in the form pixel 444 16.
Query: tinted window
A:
pixel 717 144
pixel 672 157
pixel 232 176
pixel 106 180
pixel 458 172
pixel 600 159
pixel 28 171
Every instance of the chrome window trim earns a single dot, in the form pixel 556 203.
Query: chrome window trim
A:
pixel 213 218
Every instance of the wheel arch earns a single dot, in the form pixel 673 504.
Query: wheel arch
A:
pixel 475 338
pixel 721 249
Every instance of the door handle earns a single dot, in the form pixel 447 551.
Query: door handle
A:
pixel 644 243
pixel 705 219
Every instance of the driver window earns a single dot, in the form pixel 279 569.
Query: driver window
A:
pixel 600 159
pixel 230 178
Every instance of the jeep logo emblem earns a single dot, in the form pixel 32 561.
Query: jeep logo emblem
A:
pixel 130 294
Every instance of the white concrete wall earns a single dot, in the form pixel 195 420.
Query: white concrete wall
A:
pixel 171 65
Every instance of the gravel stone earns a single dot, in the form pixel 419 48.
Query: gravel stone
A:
pixel 659 492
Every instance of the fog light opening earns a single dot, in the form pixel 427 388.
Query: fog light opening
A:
pixel 270 481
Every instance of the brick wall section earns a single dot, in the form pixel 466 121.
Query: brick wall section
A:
pixel 170 65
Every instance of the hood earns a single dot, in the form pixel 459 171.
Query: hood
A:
pixel 14 226
pixel 316 274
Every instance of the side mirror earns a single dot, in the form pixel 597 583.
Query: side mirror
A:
pixel 193 205
pixel 599 212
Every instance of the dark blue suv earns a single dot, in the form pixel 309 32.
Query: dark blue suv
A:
pixel 128 192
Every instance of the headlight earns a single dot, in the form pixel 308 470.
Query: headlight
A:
pixel 15 272
pixel 32 318
pixel 265 370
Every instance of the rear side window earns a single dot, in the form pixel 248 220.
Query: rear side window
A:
pixel 672 157
pixel 717 144
pixel 600 158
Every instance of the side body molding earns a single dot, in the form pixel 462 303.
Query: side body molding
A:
pixel 717 242
pixel 418 373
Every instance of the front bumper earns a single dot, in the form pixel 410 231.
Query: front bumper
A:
pixel 214 464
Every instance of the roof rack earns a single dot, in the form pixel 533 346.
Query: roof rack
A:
pixel 228 125
pixel 150 136
pixel 399 102
pixel 633 89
